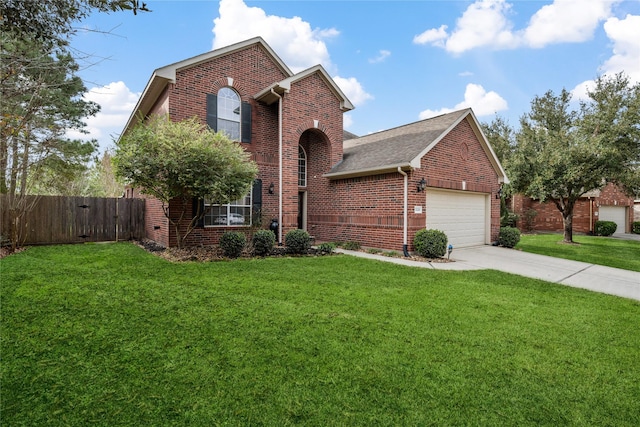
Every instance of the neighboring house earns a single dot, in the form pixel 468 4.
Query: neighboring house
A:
pixel 608 204
pixel 377 189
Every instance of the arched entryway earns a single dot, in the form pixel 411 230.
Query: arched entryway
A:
pixel 314 154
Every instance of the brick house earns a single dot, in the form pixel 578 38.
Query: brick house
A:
pixel 377 189
pixel 608 204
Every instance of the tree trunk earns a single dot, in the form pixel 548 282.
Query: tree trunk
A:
pixel 567 220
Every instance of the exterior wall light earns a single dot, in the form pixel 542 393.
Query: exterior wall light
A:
pixel 271 188
pixel 499 193
pixel 422 184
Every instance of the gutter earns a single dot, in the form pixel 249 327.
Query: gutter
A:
pixel 279 166
pixel 405 226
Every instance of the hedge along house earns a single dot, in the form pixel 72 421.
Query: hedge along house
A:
pixel 377 190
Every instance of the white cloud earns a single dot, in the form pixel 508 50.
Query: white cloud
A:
pixel 353 90
pixel 476 97
pixel 116 103
pixel 485 23
pixel 566 21
pixel 624 35
pixel 382 55
pixel 347 121
pixel 293 39
pixel 435 36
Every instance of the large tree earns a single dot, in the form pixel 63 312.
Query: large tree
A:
pixel 41 99
pixel 51 22
pixel 180 161
pixel 562 153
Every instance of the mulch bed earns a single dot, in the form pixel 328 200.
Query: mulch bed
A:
pixel 214 253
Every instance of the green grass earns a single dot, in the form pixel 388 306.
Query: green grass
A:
pixel 109 335
pixel 606 251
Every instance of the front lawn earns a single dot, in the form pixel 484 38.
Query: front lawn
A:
pixel 606 251
pixel 109 335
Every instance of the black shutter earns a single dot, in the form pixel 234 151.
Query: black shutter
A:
pixel 245 116
pixel 196 202
pixel 212 111
pixel 256 196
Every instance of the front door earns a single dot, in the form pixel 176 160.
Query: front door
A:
pixel 302 210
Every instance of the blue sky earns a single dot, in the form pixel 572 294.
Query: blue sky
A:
pixel 397 61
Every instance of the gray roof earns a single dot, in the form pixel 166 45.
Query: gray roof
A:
pixel 402 146
pixel 348 135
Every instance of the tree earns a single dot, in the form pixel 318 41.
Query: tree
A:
pixel 51 22
pixel 501 136
pixel 102 181
pixel 41 99
pixel 180 161
pixel 561 153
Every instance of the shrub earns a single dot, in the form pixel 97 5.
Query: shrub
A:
pixel 509 220
pixel 232 243
pixel 529 217
pixel 605 228
pixel 326 248
pixel 263 242
pixel 351 245
pixel 297 241
pixel 508 237
pixel 635 227
pixel 430 243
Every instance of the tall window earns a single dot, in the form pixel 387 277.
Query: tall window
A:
pixel 235 213
pixel 302 167
pixel 229 113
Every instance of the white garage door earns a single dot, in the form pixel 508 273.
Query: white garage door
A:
pixel 461 215
pixel 617 214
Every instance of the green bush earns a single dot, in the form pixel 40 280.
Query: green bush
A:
pixel 509 219
pixel 351 245
pixel 326 248
pixel 430 243
pixel 605 228
pixel 297 241
pixel 635 227
pixel 232 243
pixel 263 242
pixel 508 237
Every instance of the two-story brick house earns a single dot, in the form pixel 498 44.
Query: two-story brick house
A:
pixel 377 189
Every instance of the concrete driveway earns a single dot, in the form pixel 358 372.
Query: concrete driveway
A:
pixel 612 281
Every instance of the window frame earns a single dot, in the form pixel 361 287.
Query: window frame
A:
pixel 225 113
pixel 210 220
pixel 302 166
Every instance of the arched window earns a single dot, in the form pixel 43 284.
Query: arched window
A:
pixel 229 113
pixel 302 167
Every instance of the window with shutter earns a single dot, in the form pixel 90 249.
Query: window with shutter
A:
pixel 226 113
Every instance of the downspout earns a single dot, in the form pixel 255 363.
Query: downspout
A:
pixel 279 166
pixel 405 226
pixel 590 215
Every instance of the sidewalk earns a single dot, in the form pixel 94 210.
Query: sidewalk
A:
pixel 612 281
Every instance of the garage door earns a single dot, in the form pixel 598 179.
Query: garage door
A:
pixel 617 214
pixel 461 215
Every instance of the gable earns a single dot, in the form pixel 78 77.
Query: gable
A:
pixel 268 96
pixel 406 146
pixel 164 76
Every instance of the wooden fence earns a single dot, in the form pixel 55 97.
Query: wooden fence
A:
pixel 61 219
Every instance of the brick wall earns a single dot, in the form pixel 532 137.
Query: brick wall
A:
pixel 585 212
pixel 459 158
pixel 367 209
